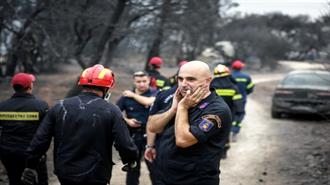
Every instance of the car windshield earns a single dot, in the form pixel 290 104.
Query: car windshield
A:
pixel 307 79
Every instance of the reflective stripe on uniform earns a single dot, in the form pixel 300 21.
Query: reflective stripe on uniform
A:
pixel 19 116
pixel 236 124
pixel 160 83
pixel 250 85
pixel 166 88
pixel 241 79
pixel 221 75
pixel 225 92
pixel 237 97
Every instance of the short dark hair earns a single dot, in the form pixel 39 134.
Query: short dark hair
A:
pixel 140 74
pixel 19 88
pixel 94 87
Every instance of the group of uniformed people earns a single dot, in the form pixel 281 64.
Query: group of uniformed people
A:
pixel 182 131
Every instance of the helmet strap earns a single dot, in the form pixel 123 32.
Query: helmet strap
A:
pixel 106 94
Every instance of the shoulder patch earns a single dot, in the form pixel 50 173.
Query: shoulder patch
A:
pixel 213 118
pixel 205 125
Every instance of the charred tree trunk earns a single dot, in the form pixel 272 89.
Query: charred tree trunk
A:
pixel 108 32
pixel 155 46
pixel 111 49
pixel 100 46
pixel 19 38
pixel 11 65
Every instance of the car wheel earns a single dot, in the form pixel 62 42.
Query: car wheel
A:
pixel 276 114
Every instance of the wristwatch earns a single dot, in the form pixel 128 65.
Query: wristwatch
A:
pixel 150 146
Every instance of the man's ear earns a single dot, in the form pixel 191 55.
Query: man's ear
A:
pixel 209 79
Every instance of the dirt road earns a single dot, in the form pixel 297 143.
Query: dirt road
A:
pixel 277 152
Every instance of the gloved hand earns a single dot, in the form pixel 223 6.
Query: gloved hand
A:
pixel 129 166
pixel 29 176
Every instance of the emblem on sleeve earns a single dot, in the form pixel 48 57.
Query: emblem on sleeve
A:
pixel 213 119
pixel 205 125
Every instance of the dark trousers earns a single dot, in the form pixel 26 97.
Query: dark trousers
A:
pixel 154 172
pixel 15 164
pixel 132 177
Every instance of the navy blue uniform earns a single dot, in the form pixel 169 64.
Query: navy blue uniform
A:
pixel 244 83
pixel 199 163
pixel 163 100
pixel 225 88
pixel 246 87
pixel 20 117
pixel 140 112
pixel 84 128
pixel 134 109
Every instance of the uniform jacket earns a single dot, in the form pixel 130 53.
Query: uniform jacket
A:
pixel 20 117
pixel 225 88
pixel 84 128
pixel 244 83
pixel 158 81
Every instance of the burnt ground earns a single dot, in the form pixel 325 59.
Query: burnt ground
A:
pixel 293 150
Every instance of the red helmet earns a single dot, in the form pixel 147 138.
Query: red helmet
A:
pixel 97 76
pixel 156 61
pixel 237 64
pixel 221 71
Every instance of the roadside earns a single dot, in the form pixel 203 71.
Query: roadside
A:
pixel 291 150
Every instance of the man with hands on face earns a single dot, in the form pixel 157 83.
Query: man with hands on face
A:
pixel 136 105
pixel 194 130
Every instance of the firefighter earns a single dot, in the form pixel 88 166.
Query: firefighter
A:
pixel 194 129
pixel 157 80
pixel 84 128
pixel 245 86
pixel 136 104
pixel 20 117
pixel 224 87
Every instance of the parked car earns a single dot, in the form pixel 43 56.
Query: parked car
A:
pixel 302 92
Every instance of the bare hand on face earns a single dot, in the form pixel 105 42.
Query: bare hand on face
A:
pixel 192 99
pixel 128 93
pixel 133 122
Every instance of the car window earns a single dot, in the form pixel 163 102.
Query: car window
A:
pixel 307 79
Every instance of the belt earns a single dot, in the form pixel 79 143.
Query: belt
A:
pixel 141 129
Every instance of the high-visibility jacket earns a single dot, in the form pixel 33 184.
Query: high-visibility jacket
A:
pixel 158 81
pixel 225 88
pixel 244 83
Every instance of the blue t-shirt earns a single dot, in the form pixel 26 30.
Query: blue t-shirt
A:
pixel 134 109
